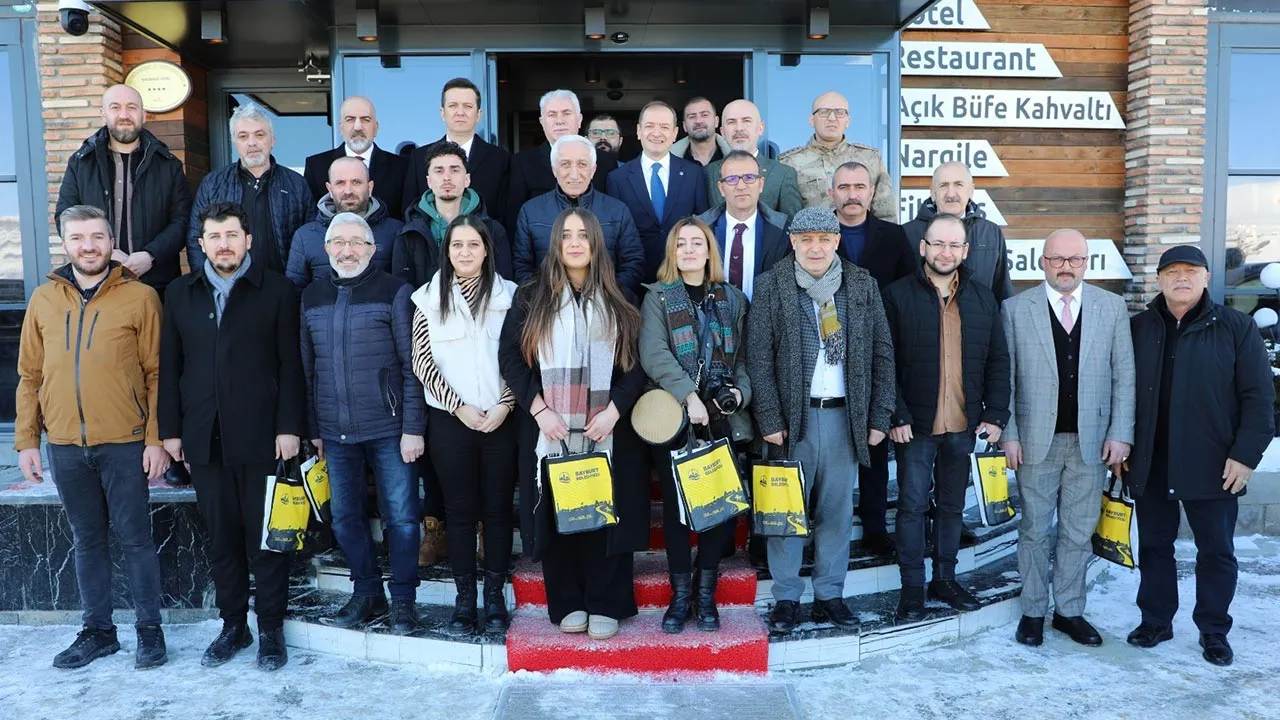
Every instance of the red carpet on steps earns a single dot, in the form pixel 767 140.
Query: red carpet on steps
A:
pixel 737 585
pixel 741 646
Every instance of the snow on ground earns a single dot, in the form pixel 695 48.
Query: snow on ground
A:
pixel 989 676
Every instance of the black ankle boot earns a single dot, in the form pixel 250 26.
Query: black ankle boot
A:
pixel 495 602
pixel 235 636
pixel 464 607
pixel 705 601
pixel 272 654
pixel 681 602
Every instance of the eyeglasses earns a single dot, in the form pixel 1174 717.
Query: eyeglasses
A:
pixel 840 113
pixel 748 178
pixel 603 132
pixel 953 247
pixel 1076 261
pixel 348 244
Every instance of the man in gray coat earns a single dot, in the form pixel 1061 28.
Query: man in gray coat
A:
pixel 1073 400
pixel 821 363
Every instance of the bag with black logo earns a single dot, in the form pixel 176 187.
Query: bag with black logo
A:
pixel 315 475
pixel 991 486
pixel 581 489
pixel 286 510
pixel 777 498
pixel 1116 537
pixel 709 488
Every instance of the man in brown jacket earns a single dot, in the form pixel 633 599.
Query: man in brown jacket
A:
pixel 88 369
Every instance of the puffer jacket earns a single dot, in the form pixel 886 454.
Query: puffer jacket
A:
pixel 988 260
pixel 290 201
pixel 533 234
pixel 89 372
pixel 415 256
pixel 357 357
pixel 309 262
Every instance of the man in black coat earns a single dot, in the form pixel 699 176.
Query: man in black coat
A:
pixel 232 403
pixel 1204 418
pixel 134 178
pixel 953 372
pixel 881 248
pixel 488 164
pixel 358 123
pixel 531 175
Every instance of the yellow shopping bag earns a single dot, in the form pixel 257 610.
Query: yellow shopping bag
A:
pixel 581 490
pixel 286 510
pixel 315 476
pixel 991 485
pixel 708 484
pixel 1116 537
pixel 777 498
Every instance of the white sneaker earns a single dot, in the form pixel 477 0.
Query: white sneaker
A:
pixel 574 622
pixel 601 627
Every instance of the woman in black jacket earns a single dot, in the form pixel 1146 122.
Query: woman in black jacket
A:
pixel 691 345
pixel 568 351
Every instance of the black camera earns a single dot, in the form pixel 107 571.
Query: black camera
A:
pixel 720 393
pixel 75 16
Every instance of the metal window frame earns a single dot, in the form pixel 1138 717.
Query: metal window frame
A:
pixel 1227 34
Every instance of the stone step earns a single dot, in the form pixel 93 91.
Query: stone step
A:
pixel 736 587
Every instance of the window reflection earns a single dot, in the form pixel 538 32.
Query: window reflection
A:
pixel 8 161
pixel 10 330
pixel 1253 110
pixel 11 285
pixel 1253 228
pixel 407 98
pixel 794 81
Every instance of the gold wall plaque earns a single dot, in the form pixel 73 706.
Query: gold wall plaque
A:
pixel 164 86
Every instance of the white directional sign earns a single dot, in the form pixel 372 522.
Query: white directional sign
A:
pixel 1105 261
pixel 977 59
pixel 911 199
pixel 951 15
pixel 953 107
pixel 919 158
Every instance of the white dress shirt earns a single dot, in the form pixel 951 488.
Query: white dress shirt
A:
pixel 367 155
pixel 1055 302
pixel 828 380
pixel 748 249
pixel 664 173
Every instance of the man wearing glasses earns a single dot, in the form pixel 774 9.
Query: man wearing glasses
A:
pixel 815 163
pixel 603 132
pixel 751 237
pixel 952 366
pixel 1073 384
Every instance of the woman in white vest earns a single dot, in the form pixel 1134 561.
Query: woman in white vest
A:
pixel 457 322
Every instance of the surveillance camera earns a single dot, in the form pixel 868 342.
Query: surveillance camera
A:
pixel 75 16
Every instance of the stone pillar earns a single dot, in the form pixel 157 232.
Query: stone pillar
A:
pixel 1164 140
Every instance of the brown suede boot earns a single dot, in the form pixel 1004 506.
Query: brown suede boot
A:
pixel 433 548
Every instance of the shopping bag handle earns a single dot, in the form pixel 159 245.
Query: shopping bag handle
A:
pixel 983 436
pixel 1111 488
pixel 591 444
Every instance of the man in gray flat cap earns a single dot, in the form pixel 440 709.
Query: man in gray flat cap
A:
pixel 819 351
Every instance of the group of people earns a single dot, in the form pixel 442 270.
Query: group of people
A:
pixel 463 319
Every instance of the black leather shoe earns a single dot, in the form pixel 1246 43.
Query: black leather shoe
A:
pixel 496 619
pixel 835 612
pixel 464 617
pixel 681 603
pixel 1149 635
pixel 177 475
pixel 150 652
pixel 1030 631
pixel 272 654
pixel 404 616
pixel 235 636
pixel 879 544
pixel 968 537
pixel 90 644
pixel 1216 649
pixel 359 610
pixel 911 603
pixel 783 618
pixel 1078 629
pixel 953 594
pixel 704 601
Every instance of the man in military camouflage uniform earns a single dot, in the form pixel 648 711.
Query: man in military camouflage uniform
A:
pixel 827 150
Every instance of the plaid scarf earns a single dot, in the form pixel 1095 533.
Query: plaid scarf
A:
pixel 682 321
pixel 577 370
pixel 823 292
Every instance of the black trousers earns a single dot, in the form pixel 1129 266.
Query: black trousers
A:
pixel 711 543
pixel 477 473
pixel 873 491
pixel 230 498
pixel 1213 522
pixel 432 496
pixel 581 575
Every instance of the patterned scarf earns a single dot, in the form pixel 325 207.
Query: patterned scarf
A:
pixel 577 370
pixel 682 320
pixel 823 292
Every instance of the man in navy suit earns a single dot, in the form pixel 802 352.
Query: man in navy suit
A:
pixel 358 123
pixel 752 238
pixel 658 187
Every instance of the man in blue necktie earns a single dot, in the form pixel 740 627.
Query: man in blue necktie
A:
pixel 658 187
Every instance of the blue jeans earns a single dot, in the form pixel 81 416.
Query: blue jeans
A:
pixel 916 459
pixel 104 483
pixel 397 503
